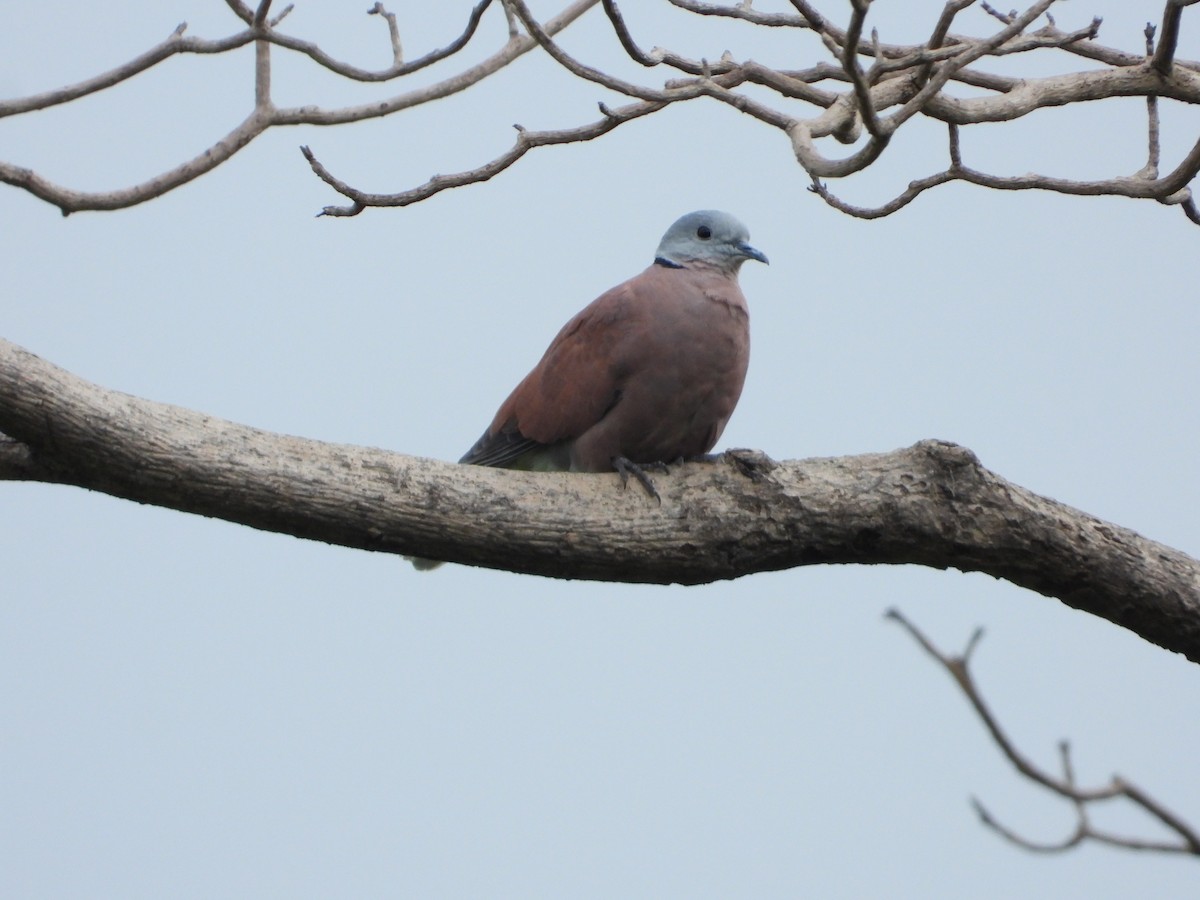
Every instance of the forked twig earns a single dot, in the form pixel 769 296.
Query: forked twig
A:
pixel 1065 786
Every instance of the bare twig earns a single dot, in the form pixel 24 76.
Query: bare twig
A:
pixel 1006 18
pixel 940 30
pixel 914 190
pixel 574 66
pixel 862 90
pixel 69 200
pixel 623 35
pixel 280 16
pixel 399 68
pixel 1164 57
pixel 175 43
pixel 240 10
pixel 659 56
pixel 1150 170
pixel 814 20
pixel 945 20
pixel 719 89
pixel 394 30
pixel 526 141
pixel 1188 839
pixel 746 14
pixel 260 14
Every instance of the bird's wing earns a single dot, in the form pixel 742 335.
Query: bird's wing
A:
pixel 577 381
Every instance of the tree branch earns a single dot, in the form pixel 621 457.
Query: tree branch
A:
pixel 399 68
pixel 264 115
pixel 526 141
pixel 394 29
pixel 69 200
pixel 575 67
pixel 742 11
pixel 1164 57
pixel 940 30
pixel 932 504
pixel 175 43
pixel 905 80
pixel 959 669
pixel 849 60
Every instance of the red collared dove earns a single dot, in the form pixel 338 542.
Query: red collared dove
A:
pixel 647 373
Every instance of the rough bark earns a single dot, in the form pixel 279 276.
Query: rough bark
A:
pixel 931 504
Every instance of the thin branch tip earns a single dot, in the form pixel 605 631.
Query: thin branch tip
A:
pixel 1188 839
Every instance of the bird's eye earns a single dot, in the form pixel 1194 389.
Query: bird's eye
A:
pixel 704 232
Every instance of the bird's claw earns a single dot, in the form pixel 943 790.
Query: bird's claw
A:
pixel 626 467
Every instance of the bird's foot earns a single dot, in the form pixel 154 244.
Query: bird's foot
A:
pixel 626 467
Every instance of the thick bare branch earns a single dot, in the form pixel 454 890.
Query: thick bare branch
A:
pixel 932 504
pixel 1032 94
pixel 958 667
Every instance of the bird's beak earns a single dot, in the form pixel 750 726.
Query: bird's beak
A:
pixel 751 253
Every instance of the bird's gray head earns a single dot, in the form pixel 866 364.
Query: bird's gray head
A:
pixel 710 237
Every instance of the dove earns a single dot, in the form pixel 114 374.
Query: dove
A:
pixel 648 373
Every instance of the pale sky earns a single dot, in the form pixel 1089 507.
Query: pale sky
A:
pixel 196 709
